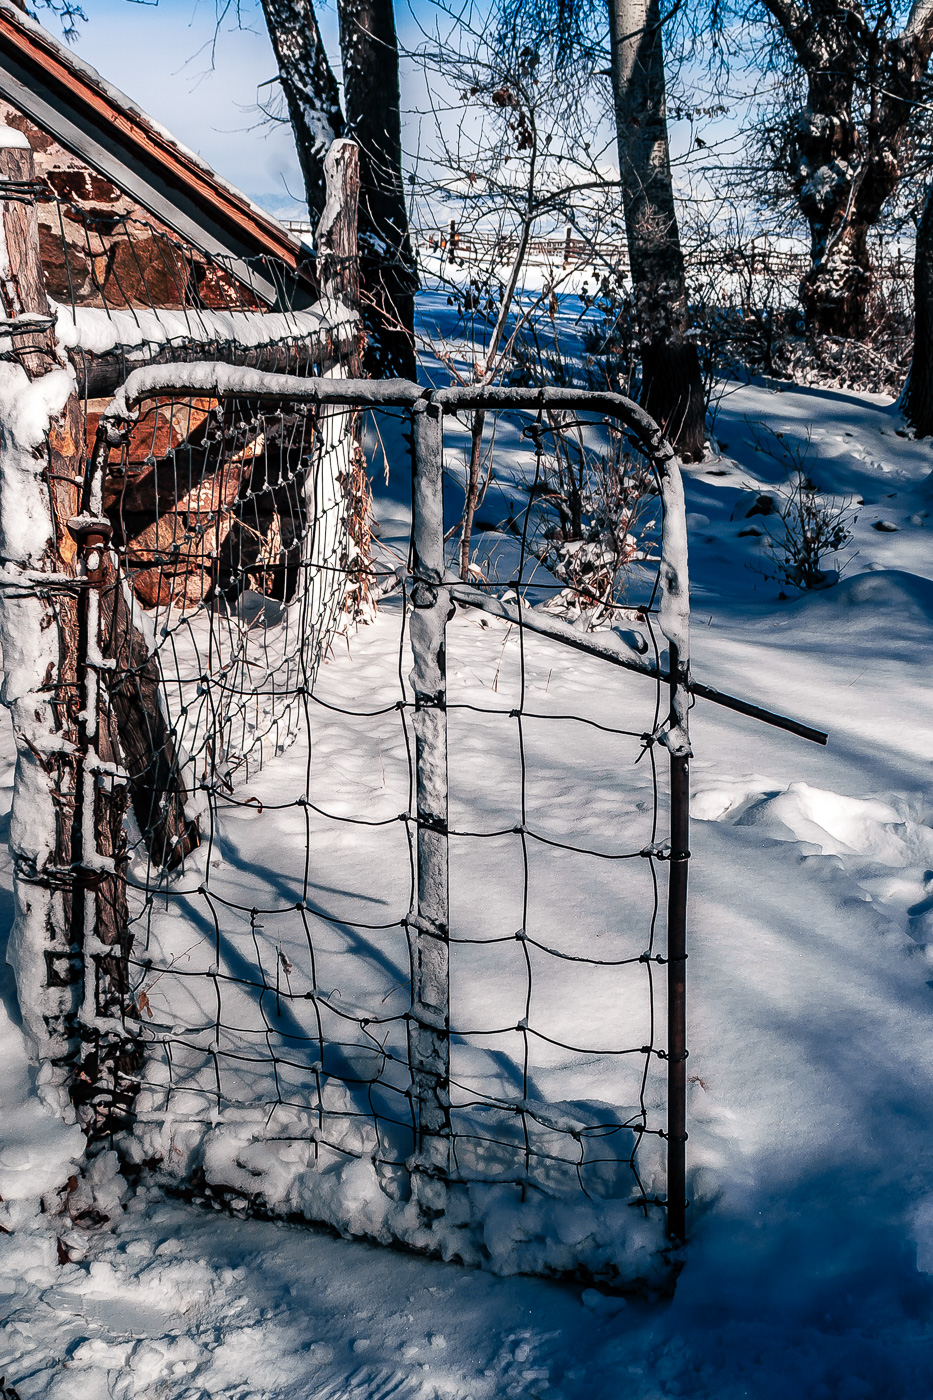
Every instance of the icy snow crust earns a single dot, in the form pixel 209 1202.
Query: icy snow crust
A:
pixel 811 939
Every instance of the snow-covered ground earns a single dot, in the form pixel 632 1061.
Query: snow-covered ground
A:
pixel 811 1012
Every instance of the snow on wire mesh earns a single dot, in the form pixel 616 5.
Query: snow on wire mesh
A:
pixel 126 292
pixel 304 1049
pixel 240 577
pixel 121 291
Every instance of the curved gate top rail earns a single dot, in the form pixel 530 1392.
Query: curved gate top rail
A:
pixel 227 381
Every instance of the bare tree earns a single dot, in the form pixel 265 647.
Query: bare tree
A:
pixel 310 89
pixel 844 149
pixel 672 387
pixel 369 49
pixel 524 156
pixel 369 54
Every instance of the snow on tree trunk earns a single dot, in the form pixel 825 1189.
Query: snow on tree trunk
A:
pixel 310 89
pixel 672 388
pixel 387 267
pixel 842 174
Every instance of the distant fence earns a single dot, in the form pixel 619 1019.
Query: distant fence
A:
pixel 715 261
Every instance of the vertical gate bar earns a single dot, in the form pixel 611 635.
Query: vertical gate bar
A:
pixel 677 969
pixel 429 1019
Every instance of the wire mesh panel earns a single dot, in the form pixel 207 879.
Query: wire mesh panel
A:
pixel 237 564
pixel 394 900
pixel 219 550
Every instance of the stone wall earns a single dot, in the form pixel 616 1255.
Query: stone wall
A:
pixel 100 248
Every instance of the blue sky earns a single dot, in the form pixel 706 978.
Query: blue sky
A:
pixel 161 56
pixel 201 81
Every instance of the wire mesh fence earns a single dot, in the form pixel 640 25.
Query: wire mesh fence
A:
pixel 392 944
pixel 90 292
pixel 386 929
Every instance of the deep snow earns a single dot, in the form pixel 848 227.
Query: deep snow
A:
pixel 810 1023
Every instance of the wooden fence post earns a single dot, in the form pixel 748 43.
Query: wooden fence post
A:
pixel 41 451
pixel 339 274
pixel 336 234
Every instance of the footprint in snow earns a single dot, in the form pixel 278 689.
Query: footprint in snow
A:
pixel 371 1383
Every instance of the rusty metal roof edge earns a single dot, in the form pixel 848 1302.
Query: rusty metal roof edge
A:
pixel 80 106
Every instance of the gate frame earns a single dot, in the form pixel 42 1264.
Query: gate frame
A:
pixel 432 591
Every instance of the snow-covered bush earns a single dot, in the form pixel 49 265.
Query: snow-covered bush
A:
pixel 595 517
pixel 810 528
pixel 876 365
pixel 742 332
pixel 807 528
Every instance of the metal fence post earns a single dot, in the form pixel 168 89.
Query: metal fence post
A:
pixel 677 965
pixel 429 1019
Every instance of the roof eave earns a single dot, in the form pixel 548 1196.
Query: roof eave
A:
pixel 96 122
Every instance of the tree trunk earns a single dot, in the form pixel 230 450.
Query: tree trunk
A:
pixel 917 398
pixel 672 387
pixel 310 89
pixel 387 267
pixel 823 153
pixel 843 176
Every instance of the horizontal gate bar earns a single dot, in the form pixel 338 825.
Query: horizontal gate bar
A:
pixel 230 381
pixel 222 381
pixel 559 631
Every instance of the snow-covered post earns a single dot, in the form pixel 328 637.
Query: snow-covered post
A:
pixel 328 485
pixel 675 624
pixel 105 1080
pixel 336 235
pixel 40 489
pixel 339 277
pixel 428 924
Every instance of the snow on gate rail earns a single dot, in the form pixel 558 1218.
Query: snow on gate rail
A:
pixel 408 993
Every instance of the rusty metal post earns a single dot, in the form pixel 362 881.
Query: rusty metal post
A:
pixel 429 1019
pixel 107 1078
pixel 677 969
